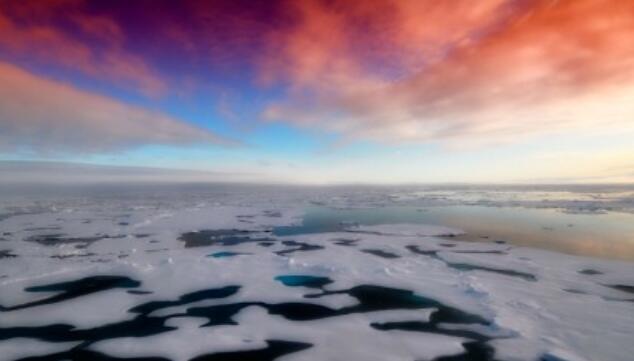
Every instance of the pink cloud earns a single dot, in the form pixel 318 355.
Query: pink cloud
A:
pixel 28 29
pixel 487 71
pixel 43 115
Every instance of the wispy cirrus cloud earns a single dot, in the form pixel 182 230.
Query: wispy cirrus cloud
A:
pixel 46 116
pixel 491 71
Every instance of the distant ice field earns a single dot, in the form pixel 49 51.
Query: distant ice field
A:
pixel 197 272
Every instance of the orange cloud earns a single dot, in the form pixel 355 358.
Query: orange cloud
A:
pixel 43 115
pixel 493 70
pixel 30 29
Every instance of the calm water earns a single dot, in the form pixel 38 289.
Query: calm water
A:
pixel 609 235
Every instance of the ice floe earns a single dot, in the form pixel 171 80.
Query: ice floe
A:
pixel 207 278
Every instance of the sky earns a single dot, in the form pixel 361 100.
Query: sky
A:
pixel 323 91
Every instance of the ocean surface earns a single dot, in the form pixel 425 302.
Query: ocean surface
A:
pixel 608 234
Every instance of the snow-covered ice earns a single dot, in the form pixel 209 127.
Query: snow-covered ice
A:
pixel 118 278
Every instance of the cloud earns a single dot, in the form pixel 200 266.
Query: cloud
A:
pixel 42 115
pixel 495 71
pixel 399 71
pixel 34 172
pixel 91 44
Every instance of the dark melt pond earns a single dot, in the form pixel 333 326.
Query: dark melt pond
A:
pixel 609 235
